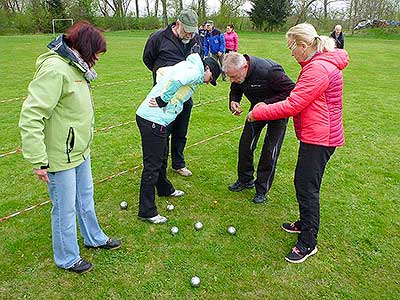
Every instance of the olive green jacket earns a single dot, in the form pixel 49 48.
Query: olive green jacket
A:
pixel 57 118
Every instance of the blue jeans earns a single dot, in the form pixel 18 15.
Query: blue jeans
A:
pixel 71 193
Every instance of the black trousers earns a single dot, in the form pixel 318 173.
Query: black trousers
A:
pixel 310 168
pixel 269 154
pixel 154 174
pixel 178 131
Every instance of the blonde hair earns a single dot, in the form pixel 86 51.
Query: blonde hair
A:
pixel 234 60
pixel 306 33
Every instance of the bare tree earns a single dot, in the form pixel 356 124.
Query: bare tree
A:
pixel 156 8
pixel 301 9
pixel 14 6
pixel 148 8
pixel 165 12
pixel 325 6
pixel 118 7
pixel 137 8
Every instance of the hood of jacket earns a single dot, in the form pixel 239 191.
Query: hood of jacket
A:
pixel 337 57
pixel 59 47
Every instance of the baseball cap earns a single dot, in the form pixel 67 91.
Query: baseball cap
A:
pixel 188 18
pixel 209 22
pixel 214 68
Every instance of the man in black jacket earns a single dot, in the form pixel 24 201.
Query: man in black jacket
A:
pixel 168 47
pixel 260 80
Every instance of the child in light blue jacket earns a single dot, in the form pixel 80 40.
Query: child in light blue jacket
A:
pixel 175 85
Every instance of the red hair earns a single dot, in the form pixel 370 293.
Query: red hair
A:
pixel 87 39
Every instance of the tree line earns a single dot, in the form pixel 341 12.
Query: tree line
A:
pixel 35 16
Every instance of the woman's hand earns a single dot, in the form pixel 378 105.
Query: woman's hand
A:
pixel 153 102
pixel 42 174
pixel 250 117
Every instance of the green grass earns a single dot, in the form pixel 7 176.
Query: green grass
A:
pixel 360 212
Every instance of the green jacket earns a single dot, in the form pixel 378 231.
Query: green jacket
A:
pixel 57 118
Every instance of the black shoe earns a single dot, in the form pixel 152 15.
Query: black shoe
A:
pixel 80 267
pixel 239 186
pixel 291 227
pixel 299 254
pixel 110 244
pixel 259 198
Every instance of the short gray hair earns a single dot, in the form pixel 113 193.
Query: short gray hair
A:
pixel 233 60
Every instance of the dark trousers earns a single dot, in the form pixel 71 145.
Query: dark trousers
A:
pixel 310 168
pixel 269 154
pixel 178 131
pixel 154 174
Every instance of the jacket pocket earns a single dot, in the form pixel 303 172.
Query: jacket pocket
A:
pixel 159 130
pixel 70 143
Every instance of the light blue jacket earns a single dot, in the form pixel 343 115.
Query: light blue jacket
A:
pixel 175 85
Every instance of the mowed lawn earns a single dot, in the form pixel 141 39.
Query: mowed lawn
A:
pixel 360 212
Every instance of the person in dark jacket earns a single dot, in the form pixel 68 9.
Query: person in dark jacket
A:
pixel 338 36
pixel 168 47
pixel 260 80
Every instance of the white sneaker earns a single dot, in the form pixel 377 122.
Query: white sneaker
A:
pixel 177 193
pixel 184 172
pixel 155 220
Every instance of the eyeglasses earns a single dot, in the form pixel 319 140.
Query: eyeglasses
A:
pixel 292 46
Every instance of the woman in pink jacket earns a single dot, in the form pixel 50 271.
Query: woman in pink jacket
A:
pixel 316 106
pixel 231 39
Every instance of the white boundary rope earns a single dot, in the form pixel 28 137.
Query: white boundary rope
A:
pixel 18 149
pixel 120 173
pixel 94 86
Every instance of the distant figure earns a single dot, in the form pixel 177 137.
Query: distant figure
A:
pixel 214 44
pixel 231 39
pixel 338 36
pixel 202 32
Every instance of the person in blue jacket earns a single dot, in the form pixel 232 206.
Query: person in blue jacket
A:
pixel 175 85
pixel 214 44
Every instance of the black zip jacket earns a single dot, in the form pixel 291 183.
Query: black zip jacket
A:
pixel 266 81
pixel 339 41
pixel 164 49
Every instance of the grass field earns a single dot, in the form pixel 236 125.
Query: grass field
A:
pixel 360 211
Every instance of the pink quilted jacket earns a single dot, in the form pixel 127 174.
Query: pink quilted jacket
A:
pixel 316 101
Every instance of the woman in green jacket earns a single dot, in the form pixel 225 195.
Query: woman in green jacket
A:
pixel 56 122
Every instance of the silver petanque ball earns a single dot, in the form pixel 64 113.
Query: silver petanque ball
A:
pixel 174 230
pixel 123 205
pixel 195 281
pixel 231 230
pixel 198 226
pixel 170 207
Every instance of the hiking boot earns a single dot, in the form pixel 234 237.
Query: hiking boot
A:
pixel 300 254
pixel 239 186
pixel 80 267
pixel 109 245
pixel 291 227
pixel 259 198
pixel 155 220
pixel 177 193
pixel 184 172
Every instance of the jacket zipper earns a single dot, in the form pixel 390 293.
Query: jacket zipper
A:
pixel 70 143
